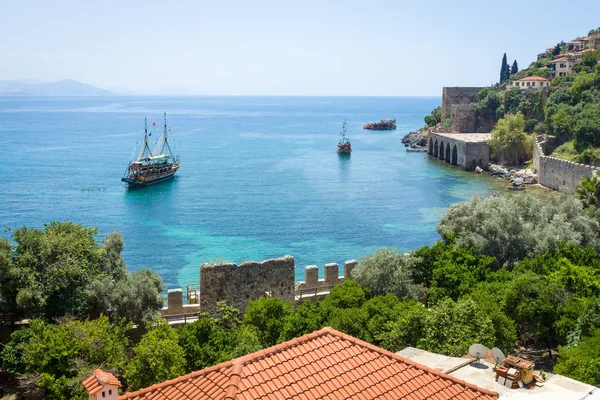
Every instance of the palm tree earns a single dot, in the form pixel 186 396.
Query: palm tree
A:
pixel 588 191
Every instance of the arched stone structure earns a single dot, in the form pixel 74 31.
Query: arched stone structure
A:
pixel 454 159
pixel 465 150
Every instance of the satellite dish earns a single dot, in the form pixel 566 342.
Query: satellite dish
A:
pixel 478 351
pixel 498 355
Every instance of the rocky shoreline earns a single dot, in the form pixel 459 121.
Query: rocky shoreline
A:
pixel 415 140
pixel 517 177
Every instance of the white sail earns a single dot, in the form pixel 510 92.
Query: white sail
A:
pixel 162 144
pixel 145 150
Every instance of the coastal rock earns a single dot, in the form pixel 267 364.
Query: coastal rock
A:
pixel 478 170
pixel 415 140
pixel 499 171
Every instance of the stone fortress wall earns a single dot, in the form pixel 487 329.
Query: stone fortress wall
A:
pixel 459 105
pixel 239 284
pixel 555 173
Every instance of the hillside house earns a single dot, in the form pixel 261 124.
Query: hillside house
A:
pixel 102 386
pixel 576 45
pixel 560 67
pixel 594 41
pixel 531 83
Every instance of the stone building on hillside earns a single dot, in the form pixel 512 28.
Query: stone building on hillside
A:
pixel 560 67
pixel 532 83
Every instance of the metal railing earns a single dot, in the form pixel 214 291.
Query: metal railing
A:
pixel 193 293
pixel 184 318
pixel 312 293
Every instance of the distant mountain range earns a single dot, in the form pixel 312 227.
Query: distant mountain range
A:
pixel 65 87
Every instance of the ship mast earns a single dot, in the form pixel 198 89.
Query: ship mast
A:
pixel 145 144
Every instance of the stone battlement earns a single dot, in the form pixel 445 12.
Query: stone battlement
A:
pixel 555 173
pixel 239 284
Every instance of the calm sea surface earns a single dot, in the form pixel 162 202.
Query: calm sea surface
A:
pixel 259 177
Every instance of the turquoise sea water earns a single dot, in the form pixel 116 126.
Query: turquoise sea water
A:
pixel 259 177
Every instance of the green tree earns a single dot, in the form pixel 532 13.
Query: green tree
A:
pixel 268 315
pixel 514 227
pixel 61 270
pixel 451 327
pixel 138 297
pixel 157 357
pixel 509 142
pixel 488 104
pixel 515 68
pixel 532 302
pixel 588 191
pixel 406 329
pixel 388 271
pixel 581 362
pixel 435 117
pixel 504 70
pixel 62 356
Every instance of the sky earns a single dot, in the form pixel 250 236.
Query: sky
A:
pixel 304 47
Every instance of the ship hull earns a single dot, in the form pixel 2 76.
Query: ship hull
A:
pixel 132 183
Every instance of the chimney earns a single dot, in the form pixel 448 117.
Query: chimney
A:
pixel 102 386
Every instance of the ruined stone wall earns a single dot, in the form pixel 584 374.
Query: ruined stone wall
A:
pixel 248 281
pixel 555 173
pixel 459 105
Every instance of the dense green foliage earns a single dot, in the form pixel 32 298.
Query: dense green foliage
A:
pixel 514 68
pixel 435 117
pixel 158 357
pixel 514 227
pixel 509 143
pixel 61 270
pixel 62 356
pixel 583 361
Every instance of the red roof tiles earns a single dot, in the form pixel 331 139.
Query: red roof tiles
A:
pixel 325 364
pixel 533 78
pixel 96 382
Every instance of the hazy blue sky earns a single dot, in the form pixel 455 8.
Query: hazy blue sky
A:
pixel 305 47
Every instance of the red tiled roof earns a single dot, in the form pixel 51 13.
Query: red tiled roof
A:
pixel 96 382
pixel 533 78
pixel 324 364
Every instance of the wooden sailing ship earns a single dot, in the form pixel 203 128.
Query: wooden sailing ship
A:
pixel 344 146
pixel 152 165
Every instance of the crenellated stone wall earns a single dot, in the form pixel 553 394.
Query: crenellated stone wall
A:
pixel 238 284
pixel 555 173
pixel 331 276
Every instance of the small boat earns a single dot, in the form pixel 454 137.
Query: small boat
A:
pixel 344 146
pixel 383 125
pixel 152 166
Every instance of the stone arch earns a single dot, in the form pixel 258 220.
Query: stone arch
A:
pixel 454 159
pixel 430 149
pixel 447 157
pixel 435 148
pixel 442 149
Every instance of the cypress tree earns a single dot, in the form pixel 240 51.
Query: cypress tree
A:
pixel 515 68
pixel 504 70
